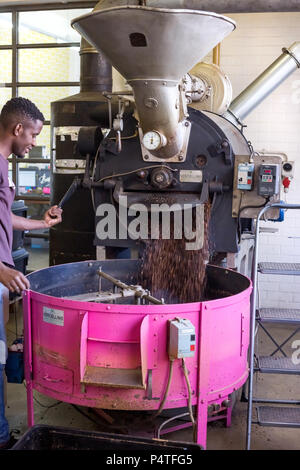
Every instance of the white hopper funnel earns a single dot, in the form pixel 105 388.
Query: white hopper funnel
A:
pixel 153 48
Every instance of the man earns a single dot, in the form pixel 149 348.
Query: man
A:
pixel 20 124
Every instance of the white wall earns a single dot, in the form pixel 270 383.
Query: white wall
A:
pixel 274 125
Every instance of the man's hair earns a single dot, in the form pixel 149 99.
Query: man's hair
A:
pixel 18 110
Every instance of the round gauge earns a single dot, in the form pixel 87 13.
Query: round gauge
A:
pixel 153 140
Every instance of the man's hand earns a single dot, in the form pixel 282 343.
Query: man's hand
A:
pixel 14 280
pixel 52 216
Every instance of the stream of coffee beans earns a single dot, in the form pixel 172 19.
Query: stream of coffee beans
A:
pixel 172 272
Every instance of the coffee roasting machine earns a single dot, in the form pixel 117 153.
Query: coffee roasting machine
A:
pixel 168 133
pixel 165 134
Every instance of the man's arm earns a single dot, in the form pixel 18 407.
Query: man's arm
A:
pixel 51 217
pixel 14 280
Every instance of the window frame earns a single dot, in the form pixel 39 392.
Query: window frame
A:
pixel 15 84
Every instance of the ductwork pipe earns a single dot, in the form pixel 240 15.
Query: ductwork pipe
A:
pixel 95 69
pixel 230 6
pixel 265 84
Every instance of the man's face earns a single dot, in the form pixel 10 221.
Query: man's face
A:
pixel 25 136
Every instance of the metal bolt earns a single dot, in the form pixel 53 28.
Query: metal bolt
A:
pixel 186 124
pixel 146 157
pixel 226 403
pixel 159 178
pixel 180 158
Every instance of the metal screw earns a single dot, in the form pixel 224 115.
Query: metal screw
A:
pixel 159 178
pixel 186 124
pixel 146 157
pixel 180 158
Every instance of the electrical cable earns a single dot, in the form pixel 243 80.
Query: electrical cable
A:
pixel 136 170
pixel 185 371
pixel 126 137
pixel 166 391
pixel 93 176
pixel 168 421
pixel 248 207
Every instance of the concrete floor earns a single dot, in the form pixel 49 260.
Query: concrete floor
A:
pixel 53 413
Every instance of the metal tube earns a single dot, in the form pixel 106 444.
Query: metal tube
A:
pixel 95 69
pixel 232 6
pixel 265 84
pixel 138 292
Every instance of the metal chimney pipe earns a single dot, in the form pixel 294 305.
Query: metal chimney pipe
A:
pixel 265 84
pixel 230 6
pixel 95 69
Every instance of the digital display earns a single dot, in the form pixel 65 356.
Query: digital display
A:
pixel 267 172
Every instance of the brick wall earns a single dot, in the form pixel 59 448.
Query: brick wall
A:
pixel 273 126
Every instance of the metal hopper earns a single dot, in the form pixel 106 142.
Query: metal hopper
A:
pixel 153 48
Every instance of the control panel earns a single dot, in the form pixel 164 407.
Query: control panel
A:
pixel 269 180
pixel 245 176
pixel 182 338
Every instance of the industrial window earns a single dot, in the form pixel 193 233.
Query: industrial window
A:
pixel 39 56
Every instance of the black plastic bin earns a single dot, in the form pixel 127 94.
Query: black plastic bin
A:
pixel 18 208
pixel 20 258
pixel 42 437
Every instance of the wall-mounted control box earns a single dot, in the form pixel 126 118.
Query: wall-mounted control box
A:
pixel 269 180
pixel 245 176
pixel 182 338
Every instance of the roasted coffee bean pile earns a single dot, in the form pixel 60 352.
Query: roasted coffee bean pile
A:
pixel 171 272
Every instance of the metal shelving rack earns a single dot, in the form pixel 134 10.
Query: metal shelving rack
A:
pixel 279 416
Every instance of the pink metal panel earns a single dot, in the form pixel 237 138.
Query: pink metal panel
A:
pixel 66 336
pixel 144 336
pixel 83 344
pixel 55 378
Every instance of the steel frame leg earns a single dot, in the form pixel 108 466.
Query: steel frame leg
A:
pixel 28 357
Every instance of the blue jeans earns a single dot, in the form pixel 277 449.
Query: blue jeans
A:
pixel 4 431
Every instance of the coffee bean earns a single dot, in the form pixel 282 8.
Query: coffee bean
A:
pixel 174 273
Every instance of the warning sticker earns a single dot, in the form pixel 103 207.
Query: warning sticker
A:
pixel 55 317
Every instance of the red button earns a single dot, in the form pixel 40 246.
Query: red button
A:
pixel 192 347
pixel 249 181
